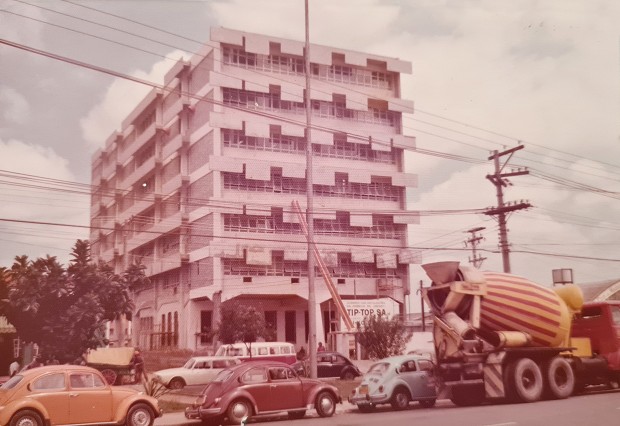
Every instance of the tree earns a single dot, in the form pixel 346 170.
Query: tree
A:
pixel 243 324
pixel 63 310
pixel 383 337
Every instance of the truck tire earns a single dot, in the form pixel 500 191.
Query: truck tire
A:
pixel 524 381
pixel 467 395
pixel 559 378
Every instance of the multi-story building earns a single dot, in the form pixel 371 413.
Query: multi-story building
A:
pixel 198 185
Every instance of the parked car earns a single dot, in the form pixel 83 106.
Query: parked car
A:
pixel 397 381
pixel 330 364
pixel 198 370
pixel 260 351
pixel 72 395
pixel 257 388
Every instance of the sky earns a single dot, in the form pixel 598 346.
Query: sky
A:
pixel 487 75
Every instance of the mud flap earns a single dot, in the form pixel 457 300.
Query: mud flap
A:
pixel 493 376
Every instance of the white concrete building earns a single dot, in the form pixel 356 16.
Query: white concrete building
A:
pixel 199 183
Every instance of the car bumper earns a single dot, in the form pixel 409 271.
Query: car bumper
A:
pixel 378 398
pixel 202 413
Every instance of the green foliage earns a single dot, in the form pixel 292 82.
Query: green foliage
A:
pixel 242 324
pixel 383 337
pixel 154 388
pixel 63 310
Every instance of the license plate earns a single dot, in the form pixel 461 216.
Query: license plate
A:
pixel 364 390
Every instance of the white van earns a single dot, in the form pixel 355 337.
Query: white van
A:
pixel 272 351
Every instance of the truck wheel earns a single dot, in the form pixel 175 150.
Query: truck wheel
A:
pixel 524 381
pixel 467 395
pixel 559 378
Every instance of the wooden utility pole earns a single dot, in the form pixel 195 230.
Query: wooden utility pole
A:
pixel 473 241
pixel 499 180
pixel 312 307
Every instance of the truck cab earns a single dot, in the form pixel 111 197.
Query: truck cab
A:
pixel 600 323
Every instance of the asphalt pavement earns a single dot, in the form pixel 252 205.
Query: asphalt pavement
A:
pixel 178 418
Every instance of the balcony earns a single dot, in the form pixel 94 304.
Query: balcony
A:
pixel 172 185
pixel 172 146
pixel 131 149
pixel 147 166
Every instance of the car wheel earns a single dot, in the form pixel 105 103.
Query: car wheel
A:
pixel 238 410
pixel 428 403
pixel 140 415
pixel 26 418
pixel 176 383
pixel 366 408
pixel 325 404
pixel 348 375
pixel 294 415
pixel 400 399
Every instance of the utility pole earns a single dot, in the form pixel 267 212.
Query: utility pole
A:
pixel 473 241
pixel 312 308
pixel 499 180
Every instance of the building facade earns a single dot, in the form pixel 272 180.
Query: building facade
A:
pixel 199 184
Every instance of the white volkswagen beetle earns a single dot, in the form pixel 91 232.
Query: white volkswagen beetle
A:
pixel 199 370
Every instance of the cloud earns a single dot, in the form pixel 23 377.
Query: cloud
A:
pixel 27 198
pixel 13 105
pixel 120 99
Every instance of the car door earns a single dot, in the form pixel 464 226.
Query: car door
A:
pixel 90 399
pixel 417 379
pixel 201 373
pixel 428 382
pixel 51 391
pixel 324 365
pixel 285 388
pixel 255 382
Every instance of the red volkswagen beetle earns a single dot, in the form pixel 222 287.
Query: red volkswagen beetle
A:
pixel 257 388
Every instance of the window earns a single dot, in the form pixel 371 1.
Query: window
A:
pixel 51 381
pixel 85 380
pixel 408 366
pixel 615 314
pixel 220 363
pixel 281 373
pixel 426 365
pixel 255 375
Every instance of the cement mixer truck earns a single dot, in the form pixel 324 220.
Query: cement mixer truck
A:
pixel 501 337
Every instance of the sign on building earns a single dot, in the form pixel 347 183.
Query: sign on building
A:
pixel 359 309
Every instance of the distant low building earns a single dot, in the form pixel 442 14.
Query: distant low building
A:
pixel 601 290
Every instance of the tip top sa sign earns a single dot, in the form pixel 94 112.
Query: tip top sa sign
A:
pixel 359 309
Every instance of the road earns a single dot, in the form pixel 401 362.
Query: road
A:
pixel 591 409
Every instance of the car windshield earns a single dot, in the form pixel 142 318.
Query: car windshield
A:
pixel 12 382
pixel 378 368
pixel 189 363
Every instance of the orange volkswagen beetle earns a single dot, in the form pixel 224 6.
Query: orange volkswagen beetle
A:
pixel 72 395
